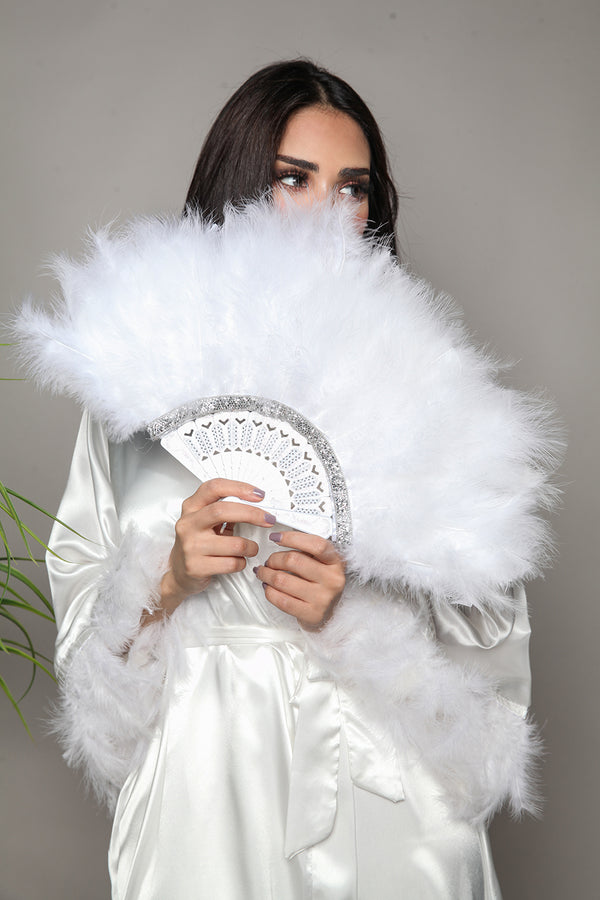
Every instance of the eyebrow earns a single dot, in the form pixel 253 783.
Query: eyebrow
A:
pixel 313 167
pixel 301 163
pixel 354 173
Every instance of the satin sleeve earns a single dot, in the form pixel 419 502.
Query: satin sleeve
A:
pixel 110 670
pixel 79 556
pixel 496 643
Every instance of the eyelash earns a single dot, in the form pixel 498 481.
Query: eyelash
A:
pixel 301 177
pixel 361 190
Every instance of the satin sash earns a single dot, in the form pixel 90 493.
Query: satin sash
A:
pixel 323 709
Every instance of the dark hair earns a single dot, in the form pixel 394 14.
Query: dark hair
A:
pixel 237 160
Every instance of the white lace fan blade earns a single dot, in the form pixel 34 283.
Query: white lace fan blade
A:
pixel 253 440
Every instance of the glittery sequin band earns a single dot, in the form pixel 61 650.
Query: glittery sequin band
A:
pixel 232 402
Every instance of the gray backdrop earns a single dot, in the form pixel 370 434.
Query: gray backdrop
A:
pixel 490 114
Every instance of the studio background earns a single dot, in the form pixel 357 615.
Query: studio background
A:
pixel 490 112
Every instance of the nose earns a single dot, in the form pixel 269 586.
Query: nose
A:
pixel 321 190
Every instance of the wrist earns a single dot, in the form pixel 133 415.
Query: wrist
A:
pixel 171 593
pixel 171 596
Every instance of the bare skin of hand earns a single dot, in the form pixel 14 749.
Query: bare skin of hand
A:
pixel 203 547
pixel 305 581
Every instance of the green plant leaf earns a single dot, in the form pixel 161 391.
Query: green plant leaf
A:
pixel 29 645
pixel 6 615
pixel 21 603
pixel 24 528
pixel 12 512
pixel 22 646
pixel 38 559
pixel 8 693
pixel 39 655
pixel 34 660
pixel 19 595
pixel 14 515
pixel 46 513
pixel 8 558
pixel 19 576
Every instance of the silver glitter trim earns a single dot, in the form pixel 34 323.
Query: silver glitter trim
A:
pixel 232 402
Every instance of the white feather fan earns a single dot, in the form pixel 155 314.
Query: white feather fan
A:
pixel 446 470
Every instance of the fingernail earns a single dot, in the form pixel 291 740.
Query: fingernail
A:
pixel 258 493
pixel 276 536
pixel 265 585
pixel 269 519
pixel 255 570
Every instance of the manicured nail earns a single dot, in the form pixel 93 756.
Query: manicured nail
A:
pixel 269 519
pixel 255 570
pixel 276 536
pixel 265 585
pixel 258 493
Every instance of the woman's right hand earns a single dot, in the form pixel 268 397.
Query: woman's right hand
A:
pixel 203 546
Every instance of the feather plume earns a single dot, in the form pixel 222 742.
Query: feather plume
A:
pixel 448 717
pixel 447 470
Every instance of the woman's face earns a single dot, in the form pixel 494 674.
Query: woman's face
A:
pixel 324 153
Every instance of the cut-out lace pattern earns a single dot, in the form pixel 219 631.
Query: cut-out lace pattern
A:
pixel 246 438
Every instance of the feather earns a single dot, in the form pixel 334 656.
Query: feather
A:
pixel 451 718
pixel 447 470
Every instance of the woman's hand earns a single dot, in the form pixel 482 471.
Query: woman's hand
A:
pixel 204 541
pixel 306 581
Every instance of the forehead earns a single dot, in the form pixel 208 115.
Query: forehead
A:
pixel 317 131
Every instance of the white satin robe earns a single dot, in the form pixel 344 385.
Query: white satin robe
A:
pixel 262 780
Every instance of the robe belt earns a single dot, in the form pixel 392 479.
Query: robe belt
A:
pixel 323 710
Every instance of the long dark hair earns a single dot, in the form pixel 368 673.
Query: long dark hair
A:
pixel 237 160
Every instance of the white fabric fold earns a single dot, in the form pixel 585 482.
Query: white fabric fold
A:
pixel 111 684
pixel 374 764
pixel 312 800
pixel 110 670
pixel 323 711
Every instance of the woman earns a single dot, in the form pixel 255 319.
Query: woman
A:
pixel 296 120
pixel 316 698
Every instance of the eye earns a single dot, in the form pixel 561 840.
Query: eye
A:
pixel 293 179
pixel 355 189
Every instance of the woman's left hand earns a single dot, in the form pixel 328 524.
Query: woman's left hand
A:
pixel 305 581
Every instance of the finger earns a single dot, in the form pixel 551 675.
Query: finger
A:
pixel 285 583
pixel 220 565
pixel 319 547
pixel 308 617
pixel 298 563
pixel 227 511
pixel 289 604
pixel 196 574
pixel 217 488
pixel 225 545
